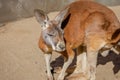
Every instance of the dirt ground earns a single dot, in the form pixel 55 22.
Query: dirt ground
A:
pixel 21 59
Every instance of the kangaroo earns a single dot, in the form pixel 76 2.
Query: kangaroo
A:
pixel 51 38
pixel 87 24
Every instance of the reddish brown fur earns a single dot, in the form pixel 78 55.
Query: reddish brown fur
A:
pixel 90 24
pixel 42 45
pixel 83 13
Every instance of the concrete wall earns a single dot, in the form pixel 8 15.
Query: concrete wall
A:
pixel 17 9
pixel 109 2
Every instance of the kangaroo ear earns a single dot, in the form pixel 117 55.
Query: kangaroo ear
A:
pixel 41 17
pixel 62 15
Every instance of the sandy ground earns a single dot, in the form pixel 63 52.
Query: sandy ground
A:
pixel 21 59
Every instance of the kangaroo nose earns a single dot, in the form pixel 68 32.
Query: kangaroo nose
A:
pixel 62 46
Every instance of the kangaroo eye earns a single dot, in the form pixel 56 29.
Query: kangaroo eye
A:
pixel 50 34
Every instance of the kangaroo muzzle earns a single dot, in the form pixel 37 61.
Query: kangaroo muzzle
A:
pixel 60 46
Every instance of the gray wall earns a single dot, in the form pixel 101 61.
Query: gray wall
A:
pixel 16 9
pixel 109 2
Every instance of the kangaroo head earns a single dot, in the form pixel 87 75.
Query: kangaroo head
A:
pixel 52 33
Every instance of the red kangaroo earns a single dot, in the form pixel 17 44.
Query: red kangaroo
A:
pixel 87 24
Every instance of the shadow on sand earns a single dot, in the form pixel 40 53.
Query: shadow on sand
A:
pixel 111 57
